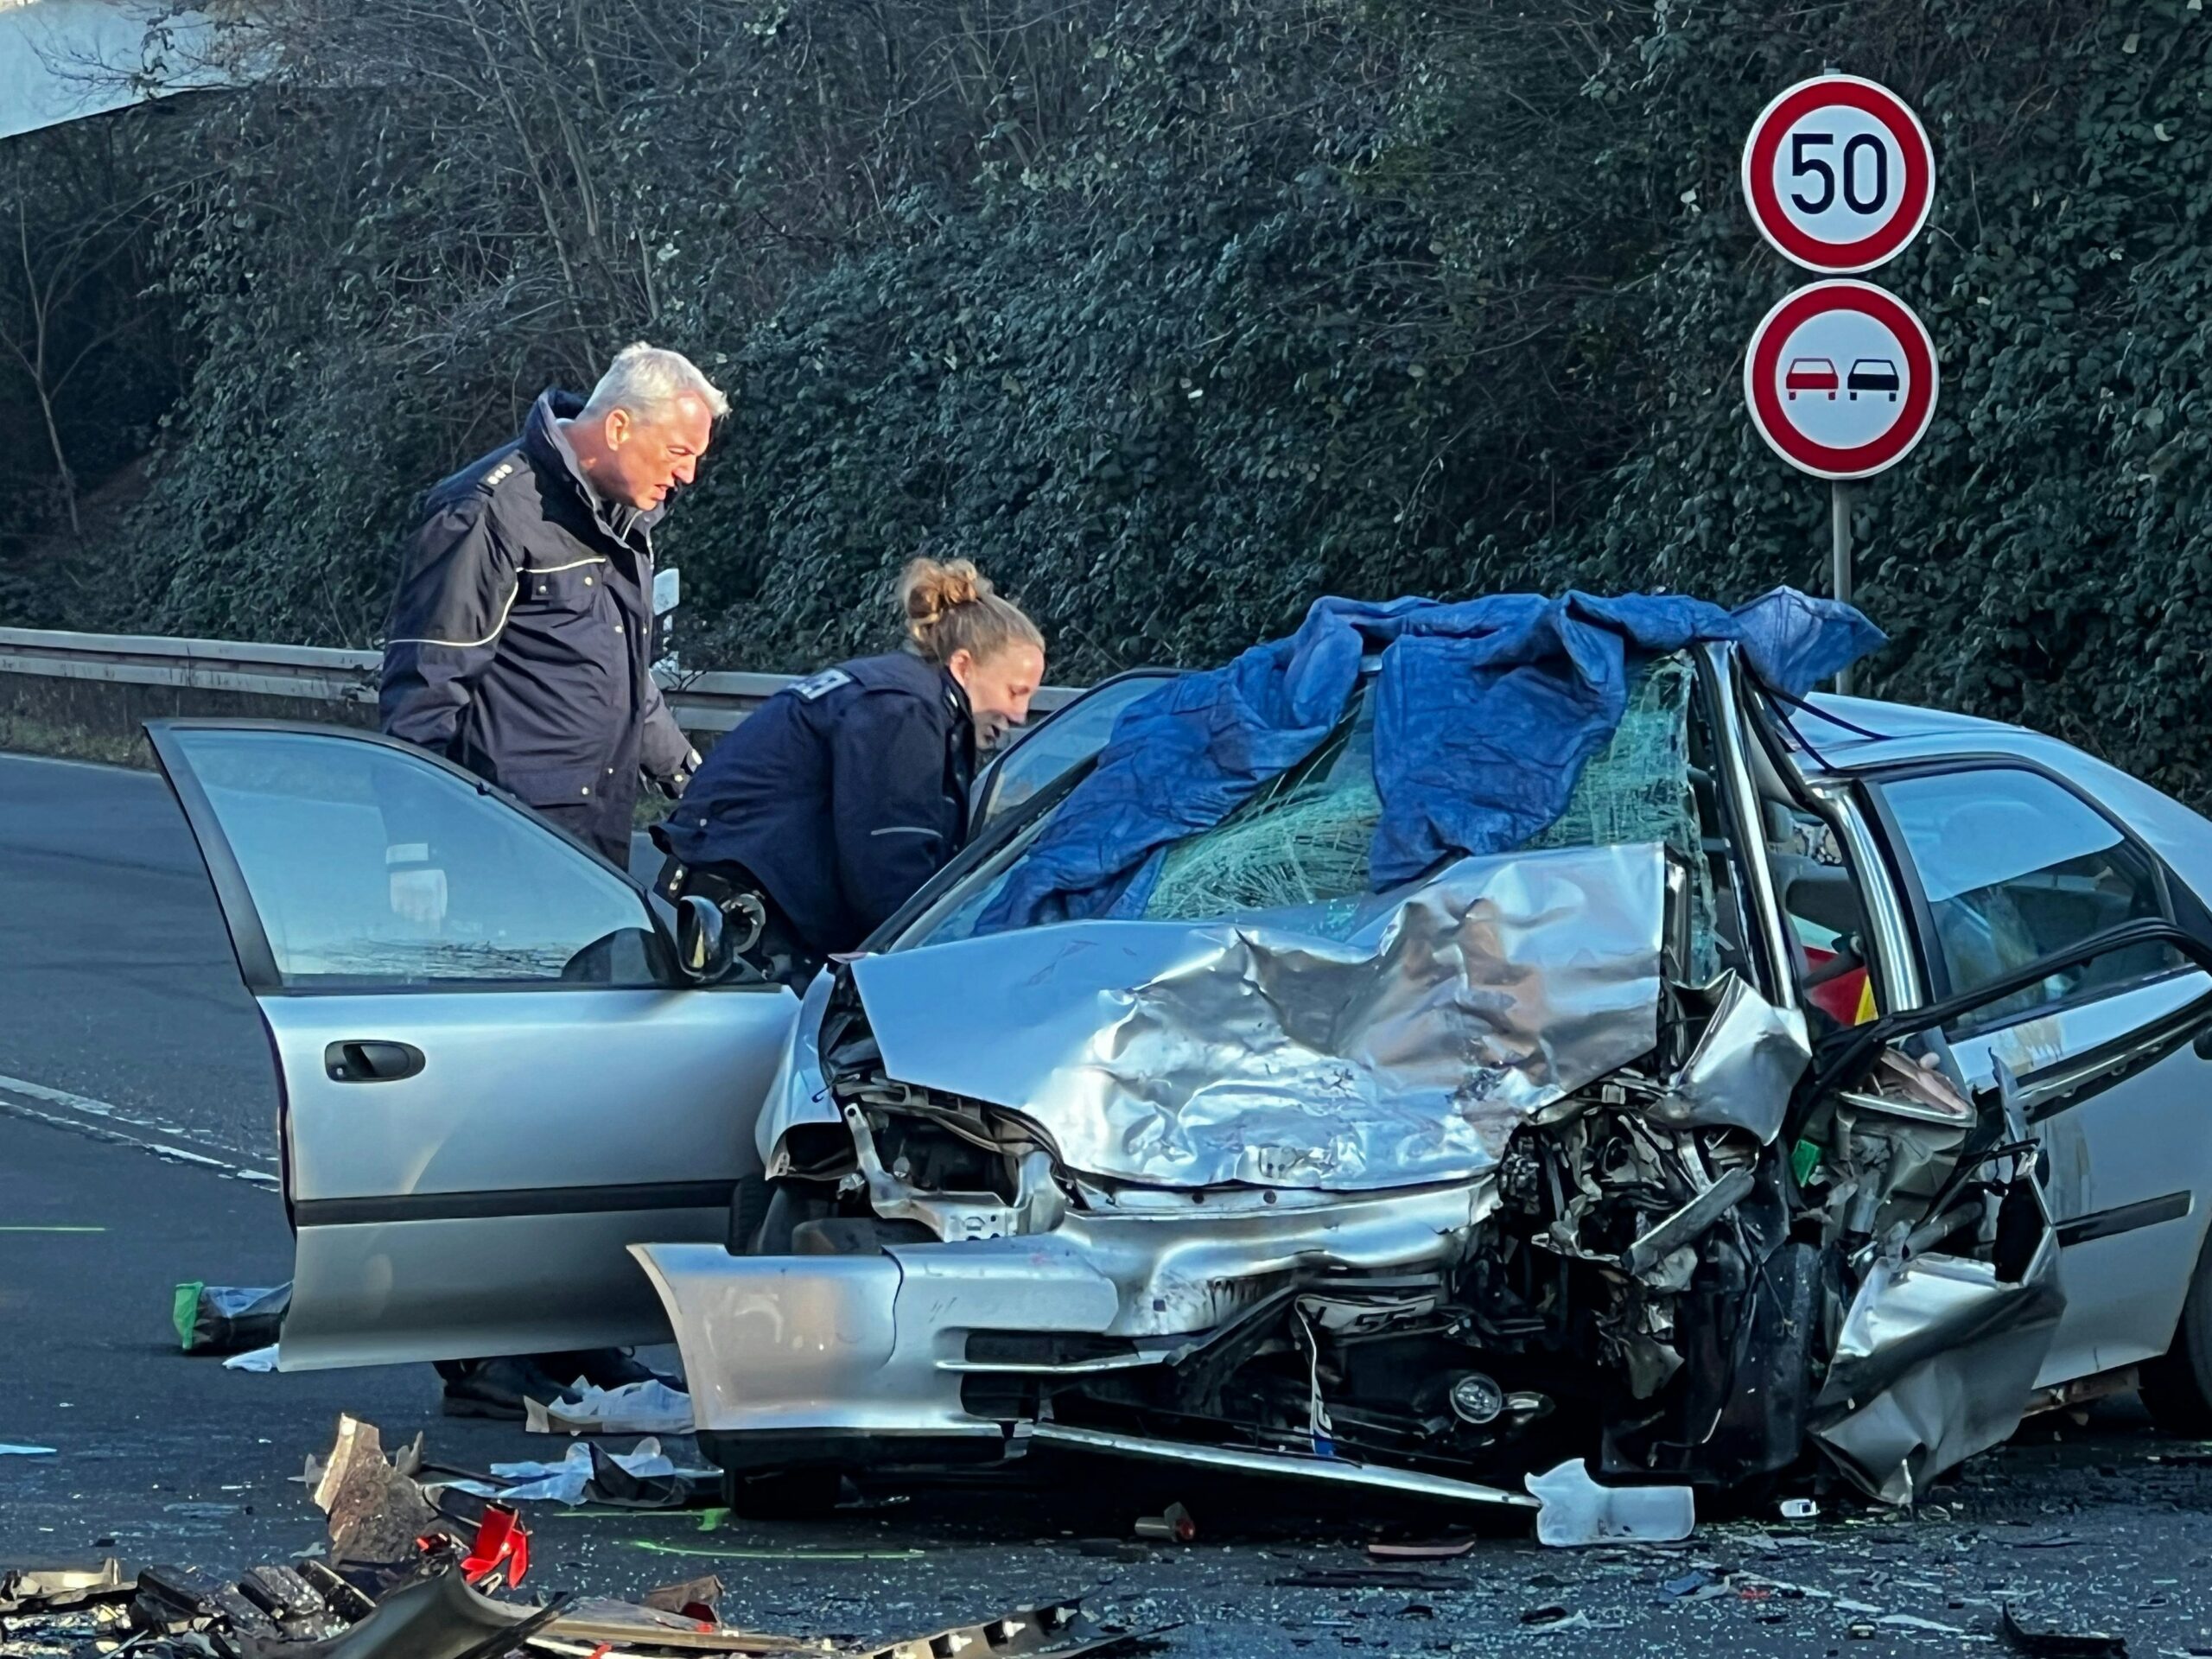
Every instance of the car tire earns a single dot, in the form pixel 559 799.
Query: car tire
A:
pixel 748 1208
pixel 2176 1387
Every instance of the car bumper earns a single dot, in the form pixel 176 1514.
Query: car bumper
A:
pixel 865 1345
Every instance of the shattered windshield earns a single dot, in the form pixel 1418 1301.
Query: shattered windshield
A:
pixel 1297 853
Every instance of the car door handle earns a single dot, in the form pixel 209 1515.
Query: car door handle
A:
pixel 371 1061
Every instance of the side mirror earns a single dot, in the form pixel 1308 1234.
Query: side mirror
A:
pixel 705 948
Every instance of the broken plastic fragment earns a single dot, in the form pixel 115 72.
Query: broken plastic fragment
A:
pixel 48 1588
pixel 1577 1510
pixel 2058 1645
pixel 376 1511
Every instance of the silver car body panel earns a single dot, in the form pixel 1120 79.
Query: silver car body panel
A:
pixel 880 1342
pixel 478 1207
pixel 797 1094
pixel 2123 1169
pixel 1747 1060
pixel 1936 1361
pixel 1404 1049
pixel 474 1194
pixel 2132 1155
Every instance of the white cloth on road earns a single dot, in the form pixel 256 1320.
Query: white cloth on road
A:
pixel 651 1407
pixel 564 1482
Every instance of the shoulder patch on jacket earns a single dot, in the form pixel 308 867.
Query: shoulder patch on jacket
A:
pixel 816 687
pixel 500 474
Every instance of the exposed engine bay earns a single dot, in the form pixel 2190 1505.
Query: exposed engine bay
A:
pixel 1663 1293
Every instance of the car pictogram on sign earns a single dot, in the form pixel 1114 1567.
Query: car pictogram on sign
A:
pixel 1809 374
pixel 1834 337
pixel 1873 374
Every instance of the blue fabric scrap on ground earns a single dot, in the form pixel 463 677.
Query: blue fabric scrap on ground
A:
pixel 1486 711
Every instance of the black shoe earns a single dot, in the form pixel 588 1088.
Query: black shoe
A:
pixel 497 1387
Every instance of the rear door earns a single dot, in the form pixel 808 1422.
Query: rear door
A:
pixel 488 1097
pixel 2004 864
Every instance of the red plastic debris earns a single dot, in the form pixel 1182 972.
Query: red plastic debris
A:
pixel 501 1546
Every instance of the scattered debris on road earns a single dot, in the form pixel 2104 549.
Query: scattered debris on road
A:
pixel 406 1577
pixel 645 1477
pixel 2058 1645
pixel 57 1587
pixel 1577 1510
pixel 1172 1526
pixel 1449 1550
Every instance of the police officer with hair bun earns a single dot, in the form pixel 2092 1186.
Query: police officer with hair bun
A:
pixel 812 822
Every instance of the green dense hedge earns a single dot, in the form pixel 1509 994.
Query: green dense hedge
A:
pixel 1176 315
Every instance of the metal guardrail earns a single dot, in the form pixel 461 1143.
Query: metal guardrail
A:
pixel 711 702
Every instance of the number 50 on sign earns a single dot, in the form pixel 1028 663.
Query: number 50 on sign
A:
pixel 1839 174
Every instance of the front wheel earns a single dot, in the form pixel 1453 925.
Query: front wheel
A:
pixel 2177 1385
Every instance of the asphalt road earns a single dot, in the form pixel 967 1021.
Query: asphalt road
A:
pixel 137 1120
pixel 116 982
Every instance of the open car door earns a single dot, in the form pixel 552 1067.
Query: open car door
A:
pixel 488 1097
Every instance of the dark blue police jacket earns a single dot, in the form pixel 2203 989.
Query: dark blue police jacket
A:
pixel 842 795
pixel 521 638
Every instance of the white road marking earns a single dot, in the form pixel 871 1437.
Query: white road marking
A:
pixel 104 1121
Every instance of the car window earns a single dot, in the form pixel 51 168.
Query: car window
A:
pixel 1064 739
pixel 2013 866
pixel 314 822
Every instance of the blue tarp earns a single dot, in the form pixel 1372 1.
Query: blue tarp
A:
pixel 1486 711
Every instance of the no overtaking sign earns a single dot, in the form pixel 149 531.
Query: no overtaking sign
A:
pixel 1841 379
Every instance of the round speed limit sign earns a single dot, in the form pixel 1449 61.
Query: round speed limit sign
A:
pixel 1839 174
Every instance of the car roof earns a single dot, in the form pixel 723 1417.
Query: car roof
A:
pixel 1852 734
pixel 1849 729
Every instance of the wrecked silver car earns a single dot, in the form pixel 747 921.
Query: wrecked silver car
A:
pixel 1734 1115
pixel 1819 1081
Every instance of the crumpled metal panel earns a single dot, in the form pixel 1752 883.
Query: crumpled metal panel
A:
pixel 1936 1361
pixel 1403 1047
pixel 1747 1060
pixel 1192 1273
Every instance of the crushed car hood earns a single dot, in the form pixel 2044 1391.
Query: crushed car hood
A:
pixel 1392 1041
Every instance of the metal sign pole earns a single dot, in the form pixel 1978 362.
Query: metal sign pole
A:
pixel 1839 524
